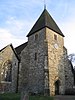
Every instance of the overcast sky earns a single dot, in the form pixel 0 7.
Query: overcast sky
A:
pixel 18 16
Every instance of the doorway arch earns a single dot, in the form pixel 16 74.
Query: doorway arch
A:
pixel 57 84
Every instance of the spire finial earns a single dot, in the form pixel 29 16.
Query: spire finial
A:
pixel 44 4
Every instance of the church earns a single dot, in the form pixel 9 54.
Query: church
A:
pixel 41 64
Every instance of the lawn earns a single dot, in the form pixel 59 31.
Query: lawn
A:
pixel 12 96
pixel 40 98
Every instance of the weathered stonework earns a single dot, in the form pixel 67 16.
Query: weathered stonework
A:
pixel 44 67
pixel 55 55
pixel 36 66
pixel 69 79
pixel 7 54
pixel 23 71
pixel 50 67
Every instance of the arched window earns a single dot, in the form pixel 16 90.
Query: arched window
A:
pixel 6 71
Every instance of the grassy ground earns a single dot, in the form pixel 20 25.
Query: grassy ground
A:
pixel 12 96
pixel 40 98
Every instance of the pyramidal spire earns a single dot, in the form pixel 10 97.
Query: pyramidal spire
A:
pixel 45 20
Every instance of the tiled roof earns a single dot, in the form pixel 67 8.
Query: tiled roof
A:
pixel 20 48
pixel 45 20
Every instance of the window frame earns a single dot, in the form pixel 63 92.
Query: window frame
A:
pixel 7 72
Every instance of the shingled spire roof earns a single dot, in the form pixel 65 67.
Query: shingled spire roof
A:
pixel 45 20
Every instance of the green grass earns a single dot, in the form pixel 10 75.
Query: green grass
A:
pixel 14 96
pixel 10 96
pixel 40 98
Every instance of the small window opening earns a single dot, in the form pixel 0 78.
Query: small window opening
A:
pixel 35 56
pixel 36 37
pixel 55 37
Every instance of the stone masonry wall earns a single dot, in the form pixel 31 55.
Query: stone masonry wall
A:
pixel 69 79
pixel 55 62
pixel 5 55
pixel 43 63
pixel 36 66
pixel 24 70
pixel 15 68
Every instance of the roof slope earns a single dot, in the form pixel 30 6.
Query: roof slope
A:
pixel 20 48
pixel 45 20
pixel 10 45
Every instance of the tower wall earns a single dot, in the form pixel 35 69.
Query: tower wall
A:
pixel 36 64
pixel 55 61
pixel 44 64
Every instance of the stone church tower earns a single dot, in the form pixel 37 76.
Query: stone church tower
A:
pixel 43 60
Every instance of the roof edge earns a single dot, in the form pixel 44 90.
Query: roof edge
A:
pixel 12 49
pixel 42 28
